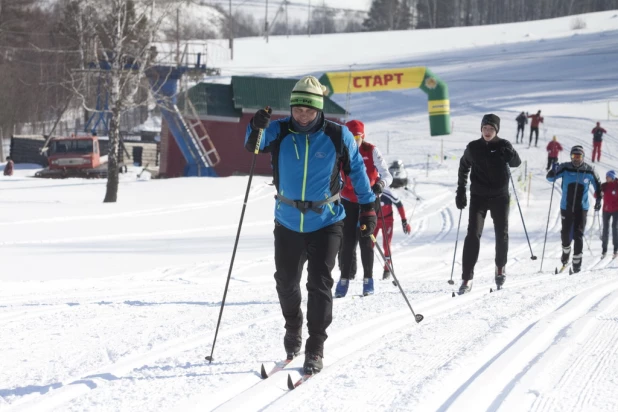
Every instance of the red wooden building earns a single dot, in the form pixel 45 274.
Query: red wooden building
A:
pixel 225 110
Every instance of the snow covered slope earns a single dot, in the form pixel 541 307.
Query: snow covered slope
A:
pixel 114 306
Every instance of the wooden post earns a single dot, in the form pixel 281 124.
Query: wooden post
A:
pixel 529 185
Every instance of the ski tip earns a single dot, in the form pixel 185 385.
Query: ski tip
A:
pixel 570 271
pixel 556 272
pixel 491 290
pixel 290 383
pixel 453 294
pixel 263 372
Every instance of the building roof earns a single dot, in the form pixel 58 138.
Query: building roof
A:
pixel 247 93
pixel 211 99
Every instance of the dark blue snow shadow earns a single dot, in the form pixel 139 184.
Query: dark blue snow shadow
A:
pixel 27 390
pixel 445 406
pixel 495 405
pixel 209 304
pixel 72 303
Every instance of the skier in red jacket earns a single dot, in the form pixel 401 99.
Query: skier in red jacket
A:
pixel 610 211
pixel 553 150
pixel 387 201
pixel 597 141
pixel 534 127
pixel 379 178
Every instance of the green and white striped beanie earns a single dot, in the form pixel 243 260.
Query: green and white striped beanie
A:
pixel 308 92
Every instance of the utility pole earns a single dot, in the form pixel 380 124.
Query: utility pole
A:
pixel 178 36
pixel 266 22
pixel 309 20
pixel 323 14
pixel 231 32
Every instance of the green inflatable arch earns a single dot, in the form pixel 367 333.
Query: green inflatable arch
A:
pixel 397 79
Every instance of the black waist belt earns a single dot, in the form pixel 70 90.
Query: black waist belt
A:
pixel 305 206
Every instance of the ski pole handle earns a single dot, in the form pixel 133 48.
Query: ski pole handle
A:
pixel 260 134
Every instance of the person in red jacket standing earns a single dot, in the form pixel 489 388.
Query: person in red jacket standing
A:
pixel 534 127
pixel 379 178
pixel 387 201
pixel 553 150
pixel 610 211
pixel 597 141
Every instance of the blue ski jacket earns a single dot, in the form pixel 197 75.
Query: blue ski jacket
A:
pixel 306 170
pixel 575 185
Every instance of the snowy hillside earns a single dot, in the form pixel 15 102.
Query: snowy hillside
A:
pixel 114 306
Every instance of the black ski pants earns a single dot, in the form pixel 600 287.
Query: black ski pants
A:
pixel 607 216
pixel 351 238
pixel 573 226
pixel 520 128
pixel 534 130
pixel 550 162
pixel 499 208
pixel 319 249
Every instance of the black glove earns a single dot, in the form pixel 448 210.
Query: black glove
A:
pixel 261 119
pixel 507 153
pixel 597 205
pixel 406 227
pixel 367 219
pixel 461 201
pixel 378 187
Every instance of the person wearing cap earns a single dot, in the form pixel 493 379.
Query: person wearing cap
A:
pixel 379 178
pixel 577 176
pixel 534 127
pixel 486 160
pixel 308 153
pixel 597 141
pixel 553 151
pixel 610 212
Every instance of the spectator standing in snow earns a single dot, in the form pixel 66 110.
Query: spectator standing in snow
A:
pixel 576 177
pixel 522 121
pixel 8 169
pixel 597 141
pixel 610 211
pixel 553 151
pixel 488 158
pixel 379 178
pixel 534 127
pixel 308 152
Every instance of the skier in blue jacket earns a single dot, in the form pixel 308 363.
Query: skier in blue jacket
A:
pixel 308 152
pixel 577 176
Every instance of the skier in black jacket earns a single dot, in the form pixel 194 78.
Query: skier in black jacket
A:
pixel 488 157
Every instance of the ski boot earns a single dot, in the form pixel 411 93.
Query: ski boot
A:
pixel 386 274
pixel 566 252
pixel 367 286
pixel 577 263
pixel 292 342
pixel 313 363
pixel 466 287
pixel 500 277
pixel 342 288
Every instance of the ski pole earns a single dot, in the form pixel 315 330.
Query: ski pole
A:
pixel 551 198
pixel 451 282
pixel 520 213
pixel 242 216
pixel 418 318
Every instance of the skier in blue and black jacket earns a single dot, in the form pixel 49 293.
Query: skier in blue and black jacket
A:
pixel 308 153
pixel 577 176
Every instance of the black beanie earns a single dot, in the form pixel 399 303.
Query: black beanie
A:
pixel 578 150
pixel 491 119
